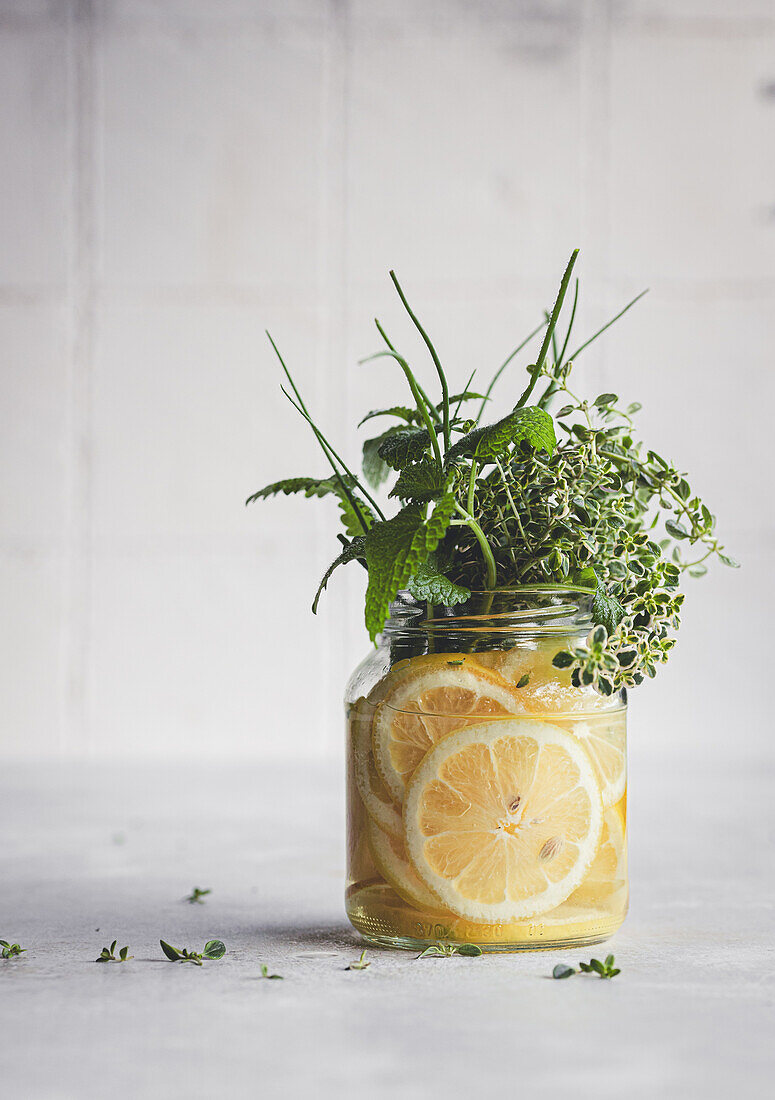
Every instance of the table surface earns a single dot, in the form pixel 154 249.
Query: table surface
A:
pixel 95 852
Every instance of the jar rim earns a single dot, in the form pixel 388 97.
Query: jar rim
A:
pixel 519 610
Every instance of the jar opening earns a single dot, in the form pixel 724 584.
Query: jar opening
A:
pixel 532 610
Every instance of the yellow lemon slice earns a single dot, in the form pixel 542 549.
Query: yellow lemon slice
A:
pixel 374 794
pixel 428 703
pixel 545 689
pixel 604 736
pixel 392 863
pixel 608 873
pixel 502 820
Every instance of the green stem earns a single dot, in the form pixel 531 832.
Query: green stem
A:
pixel 549 331
pixel 472 485
pixel 415 394
pixel 434 357
pixel 327 449
pixel 489 560
pixel 505 363
pixel 431 407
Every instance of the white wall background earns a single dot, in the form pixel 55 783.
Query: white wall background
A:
pixel 178 175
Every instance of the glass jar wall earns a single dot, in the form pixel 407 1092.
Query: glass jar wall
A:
pixel 486 794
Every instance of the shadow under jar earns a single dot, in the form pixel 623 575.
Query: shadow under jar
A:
pixel 486 794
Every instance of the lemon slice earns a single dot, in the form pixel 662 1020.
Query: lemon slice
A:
pixel 545 689
pixel 502 820
pixel 604 737
pixel 374 794
pixel 392 863
pixel 608 873
pixel 427 704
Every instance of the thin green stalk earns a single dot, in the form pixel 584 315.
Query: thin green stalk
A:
pixel 465 390
pixel 489 560
pixel 505 363
pixel 415 394
pixel 434 357
pixel 600 331
pixel 429 404
pixel 326 447
pixel 549 331
pixel 472 485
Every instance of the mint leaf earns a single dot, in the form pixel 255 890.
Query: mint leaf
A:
pixel 310 486
pixel 531 424
pixel 394 551
pixel 606 610
pixel 356 549
pixel 422 481
pixel 431 585
pixel 322 487
pixel 375 470
pixel 401 411
pixel 404 446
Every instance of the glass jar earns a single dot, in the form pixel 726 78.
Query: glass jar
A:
pixel 486 794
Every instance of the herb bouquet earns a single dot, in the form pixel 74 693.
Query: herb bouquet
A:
pixel 529 574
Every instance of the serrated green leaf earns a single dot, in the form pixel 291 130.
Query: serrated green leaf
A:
pixel 422 481
pixel 403 412
pixel 322 487
pixel 459 398
pixel 403 447
pixel 532 424
pixel 375 470
pixel 394 551
pixel 310 486
pixel 356 549
pixel 214 949
pixel 431 585
pixel 606 610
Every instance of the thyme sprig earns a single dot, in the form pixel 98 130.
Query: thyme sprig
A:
pixel 196 896
pixel 604 969
pixel 108 954
pixel 447 950
pixel 573 498
pixel 213 949
pixel 10 950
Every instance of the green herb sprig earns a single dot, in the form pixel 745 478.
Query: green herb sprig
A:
pixel 446 950
pixel 604 969
pixel 213 949
pixel 272 977
pixel 570 497
pixel 361 964
pixel 10 950
pixel 196 896
pixel 108 954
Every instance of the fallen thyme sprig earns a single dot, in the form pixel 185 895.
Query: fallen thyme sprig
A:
pixel 108 954
pixel 10 950
pixel 272 977
pixel 213 949
pixel 360 963
pixel 196 895
pixel 446 950
pixel 594 966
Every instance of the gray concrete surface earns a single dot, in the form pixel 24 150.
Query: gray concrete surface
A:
pixel 92 853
